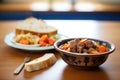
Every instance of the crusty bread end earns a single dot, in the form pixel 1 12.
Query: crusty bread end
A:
pixel 43 62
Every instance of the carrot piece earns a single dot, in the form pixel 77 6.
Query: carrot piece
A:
pixel 42 43
pixel 102 48
pixel 51 41
pixel 24 41
pixel 94 52
pixel 44 38
pixel 65 47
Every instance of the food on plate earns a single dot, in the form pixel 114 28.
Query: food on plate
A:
pixel 46 41
pixel 85 46
pixel 42 62
pixel 35 26
pixel 33 31
pixel 26 39
pixel 29 39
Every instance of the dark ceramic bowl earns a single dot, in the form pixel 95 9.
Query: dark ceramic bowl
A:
pixel 80 61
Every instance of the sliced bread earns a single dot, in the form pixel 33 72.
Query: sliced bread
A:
pixel 35 26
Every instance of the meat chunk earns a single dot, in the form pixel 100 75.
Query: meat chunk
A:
pixel 79 46
pixel 83 48
pixel 89 44
pixel 79 49
pixel 73 45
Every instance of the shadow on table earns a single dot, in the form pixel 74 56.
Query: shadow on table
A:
pixel 75 74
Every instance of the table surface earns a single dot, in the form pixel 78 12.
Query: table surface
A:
pixel 10 57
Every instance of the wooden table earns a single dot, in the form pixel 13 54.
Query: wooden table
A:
pixel 10 57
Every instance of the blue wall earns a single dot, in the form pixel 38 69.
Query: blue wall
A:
pixel 61 15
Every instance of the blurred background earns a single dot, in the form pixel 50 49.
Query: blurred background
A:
pixel 60 9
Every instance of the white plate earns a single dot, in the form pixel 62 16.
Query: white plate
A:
pixel 10 36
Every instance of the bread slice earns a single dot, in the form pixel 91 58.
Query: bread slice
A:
pixel 35 26
pixel 45 61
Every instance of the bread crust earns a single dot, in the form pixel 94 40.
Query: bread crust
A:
pixel 25 26
pixel 20 31
pixel 41 63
